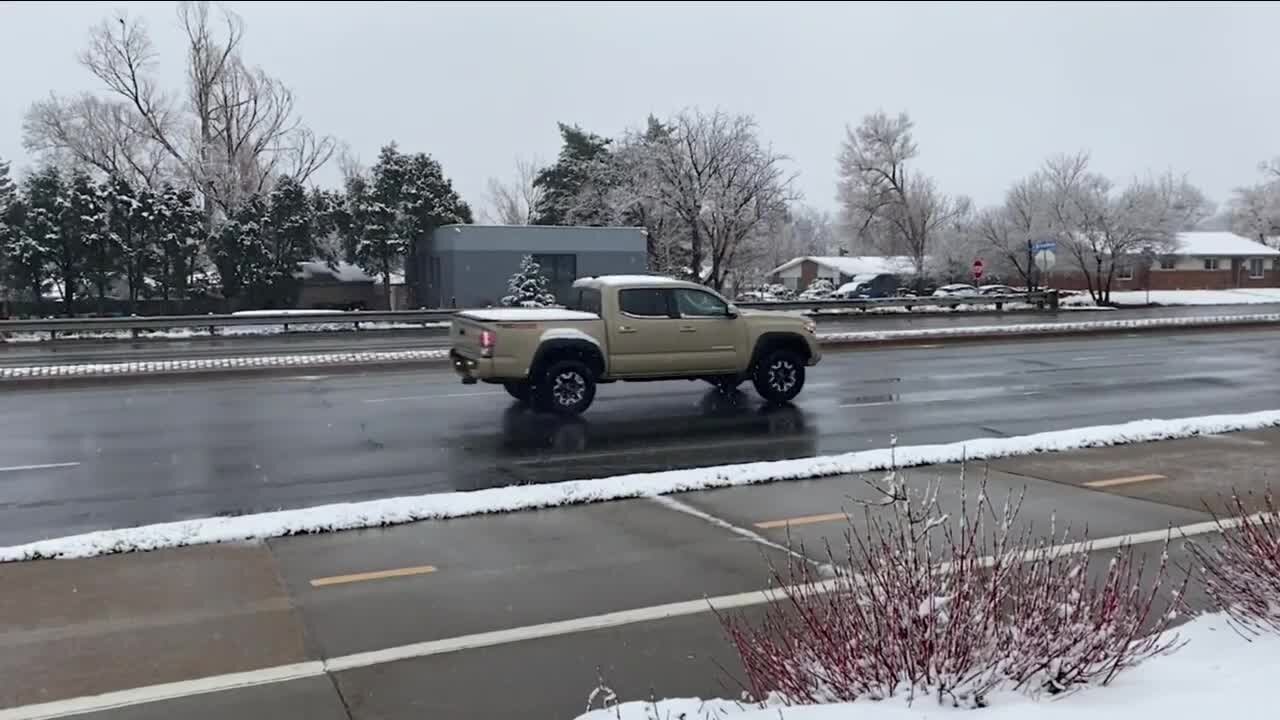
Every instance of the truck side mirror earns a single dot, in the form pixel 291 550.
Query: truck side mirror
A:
pixel 731 311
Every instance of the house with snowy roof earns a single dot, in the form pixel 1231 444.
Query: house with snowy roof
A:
pixel 1201 261
pixel 798 273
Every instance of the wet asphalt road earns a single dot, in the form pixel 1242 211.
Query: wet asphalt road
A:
pixel 150 453
pixel 77 351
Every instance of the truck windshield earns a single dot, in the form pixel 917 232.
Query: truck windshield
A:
pixel 585 300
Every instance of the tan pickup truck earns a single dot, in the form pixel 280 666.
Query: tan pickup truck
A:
pixel 631 328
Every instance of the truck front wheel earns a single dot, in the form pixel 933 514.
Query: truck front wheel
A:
pixel 567 387
pixel 779 376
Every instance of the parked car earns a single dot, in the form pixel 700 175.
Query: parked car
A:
pixel 998 290
pixel 956 290
pixel 868 285
pixel 640 328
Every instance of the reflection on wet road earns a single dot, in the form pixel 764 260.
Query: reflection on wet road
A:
pixel 92 458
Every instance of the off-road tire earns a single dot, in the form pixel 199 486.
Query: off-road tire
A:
pixel 567 387
pixel 779 376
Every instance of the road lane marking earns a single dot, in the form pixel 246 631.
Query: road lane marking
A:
pixel 672 504
pixel 376 575
pixel 507 636
pixel 45 466
pixel 803 520
pixel 430 397
pixel 924 347
pixel 1088 358
pixel 1112 482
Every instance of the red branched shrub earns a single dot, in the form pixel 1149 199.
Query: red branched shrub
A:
pixel 950 606
pixel 1241 567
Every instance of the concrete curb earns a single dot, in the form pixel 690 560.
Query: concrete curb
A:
pixel 348 362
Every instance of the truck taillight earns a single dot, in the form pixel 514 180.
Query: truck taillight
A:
pixel 487 340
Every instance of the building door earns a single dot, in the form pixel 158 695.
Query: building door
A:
pixel 560 269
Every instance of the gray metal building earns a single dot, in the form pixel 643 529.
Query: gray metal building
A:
pixel 469 265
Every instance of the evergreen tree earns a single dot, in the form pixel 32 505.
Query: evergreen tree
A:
pixel 529 287
pixel 563 183
pixel 88 215
pixel 290 239
pixel 238 250
pixel 8 197
pixel 130 222
pixel 180 225
pixel 47 242
pixel 408 197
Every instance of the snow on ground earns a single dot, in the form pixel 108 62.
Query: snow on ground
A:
pixel 197 365
pixel 1218 673
pixel 1049 328
pixel 1245 296
pixel 394 511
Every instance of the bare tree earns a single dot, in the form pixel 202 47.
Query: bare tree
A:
pixel 719 182
pixel 886 204
pixel 1102 231
pixel 230 133
pixel 1011 230
pixel 1254 210
pixel 514 202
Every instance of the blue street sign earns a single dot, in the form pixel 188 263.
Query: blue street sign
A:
pixel 1047 245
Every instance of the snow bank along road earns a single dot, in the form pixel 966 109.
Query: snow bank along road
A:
pixel 507 616
pixel 74 461
pixel 833 340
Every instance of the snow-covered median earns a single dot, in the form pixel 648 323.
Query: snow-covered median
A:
pixel 198 365
pixel 394 511
pixel 1073 328
pixel 228 331
pixel 1218 673
pixel 1242 296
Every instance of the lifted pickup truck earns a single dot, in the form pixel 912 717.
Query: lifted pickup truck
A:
pixel 631 328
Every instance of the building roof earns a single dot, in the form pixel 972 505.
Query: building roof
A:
pixel 854 264
pixel 1221 244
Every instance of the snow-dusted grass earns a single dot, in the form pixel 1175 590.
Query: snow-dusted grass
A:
pixel 1244 296
pixel 394 511
pixel 1218 673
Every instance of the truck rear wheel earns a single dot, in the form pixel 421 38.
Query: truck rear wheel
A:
pixel 566 387
pixel 779 376
pixel 521 391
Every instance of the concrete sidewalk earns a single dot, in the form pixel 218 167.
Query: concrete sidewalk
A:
pixel 448 618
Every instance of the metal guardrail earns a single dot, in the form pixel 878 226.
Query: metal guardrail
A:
pixel 136 325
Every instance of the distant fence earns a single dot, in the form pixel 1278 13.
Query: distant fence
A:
pixel 138 325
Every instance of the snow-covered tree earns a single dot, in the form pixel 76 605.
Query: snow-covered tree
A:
pixel 1010 231
pixel 130 221
pixel 290 240
pixel 1100 230
pixel 1254 210
pixel 47 227
pixel 528 287
pixel 229 132
pixel 565 186
pixel 88 214
pixel 178 222
pixel 239 252
pixel 887 205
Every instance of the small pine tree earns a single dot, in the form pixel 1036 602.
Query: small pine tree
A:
pixel 529 287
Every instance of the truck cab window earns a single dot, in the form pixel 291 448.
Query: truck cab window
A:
pixel 644 302
pixel 695 303
pixel 586 300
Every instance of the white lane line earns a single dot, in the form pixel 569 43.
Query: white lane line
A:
pixel 285 673
pixel 167 691
pixel 671 503
pixel 1088 358
pixel 46 466
pixel 430 397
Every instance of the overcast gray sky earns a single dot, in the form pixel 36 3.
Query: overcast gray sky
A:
pixel 993 88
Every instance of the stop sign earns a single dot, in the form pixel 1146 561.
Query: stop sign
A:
pixel 977 268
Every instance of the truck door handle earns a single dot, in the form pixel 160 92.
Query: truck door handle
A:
pixel 688 328
pixel 626 329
